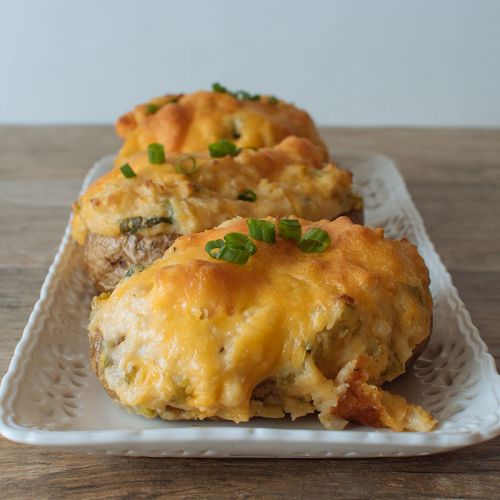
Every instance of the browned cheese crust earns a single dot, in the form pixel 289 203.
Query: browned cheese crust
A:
pixel 190 122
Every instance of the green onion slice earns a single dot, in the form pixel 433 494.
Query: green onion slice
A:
pixel 213 248
pixel 186 165
pixel 223 148
pixel 241 95
pixel 262 230
pixel 127 171
pixel 130 225
pixel 290 229
pixel 154 221
pixel 156 154
pixel 272 100
pixel 217 87
pixel 236 248
pixel 234 255
pixel 152 108
pixel 247 195
pixel 315 240
pixel 240 241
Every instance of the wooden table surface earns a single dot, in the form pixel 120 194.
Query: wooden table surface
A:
pixel 454 177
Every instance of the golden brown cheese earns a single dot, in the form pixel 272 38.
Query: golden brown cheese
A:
pixel 288 332
pixel 290 178
pixel 187 123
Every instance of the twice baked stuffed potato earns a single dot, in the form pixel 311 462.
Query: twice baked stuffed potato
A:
pixel 267 318
pixel 190 122
pixel 130 216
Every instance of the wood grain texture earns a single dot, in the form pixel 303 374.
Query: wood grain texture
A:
pixel 454 178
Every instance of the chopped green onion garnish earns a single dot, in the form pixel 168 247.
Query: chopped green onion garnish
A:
pixel 261 230
pixel 130 225
pixel 236 248
pixel 152 109
pixel 186 165
pixel 223 148
pixel 247 195
pixel 154 221
pixel 127 171
pixel 217 87
pixel 214 247
pixel 241 241
pixel 156 153
pixel 290 229
pixel 315 240
pixel 234 255
pixel 241 95
pixel 273 100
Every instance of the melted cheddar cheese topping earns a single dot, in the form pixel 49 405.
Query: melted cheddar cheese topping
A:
pixel 191 122
pixel 290 178
pixel 194 337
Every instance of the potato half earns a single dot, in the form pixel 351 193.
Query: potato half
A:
pixel 128 222
pixel 190 122
pixel 287 332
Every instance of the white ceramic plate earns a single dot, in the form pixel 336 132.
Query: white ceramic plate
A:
pixel 50 396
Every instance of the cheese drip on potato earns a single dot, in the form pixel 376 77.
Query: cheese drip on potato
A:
pixel 288 332
pixel 190 122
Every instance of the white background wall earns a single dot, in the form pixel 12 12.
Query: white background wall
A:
pixel 425 62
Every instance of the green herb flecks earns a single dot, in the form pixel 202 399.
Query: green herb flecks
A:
pixel 152 108
pixel 235 248
pixel 241 95
pixel 186 165
pixel 314 240
pixel 127 171
pixel 156 154
pixel 131 225
pixel 247 195
pixel 290 229
pixel 223 148
pixel 261 230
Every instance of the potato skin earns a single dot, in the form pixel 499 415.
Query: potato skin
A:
pixel 419 348
pixel 108 258
pixel 96 362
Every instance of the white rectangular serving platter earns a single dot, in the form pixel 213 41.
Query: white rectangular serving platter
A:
pixel 50 396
